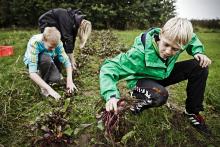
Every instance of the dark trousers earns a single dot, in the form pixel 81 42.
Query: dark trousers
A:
pixel 185 70
pixel 48 69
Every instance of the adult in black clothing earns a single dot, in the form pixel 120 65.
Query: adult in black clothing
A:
pixel 70 23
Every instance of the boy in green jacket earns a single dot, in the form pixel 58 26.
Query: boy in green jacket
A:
pixel 150 65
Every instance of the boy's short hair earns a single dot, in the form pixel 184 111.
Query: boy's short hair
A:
pixel 51 34
pixel 178 30
pixel 84 31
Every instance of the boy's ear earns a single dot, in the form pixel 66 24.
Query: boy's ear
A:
pixel 43 39
pixel 159 35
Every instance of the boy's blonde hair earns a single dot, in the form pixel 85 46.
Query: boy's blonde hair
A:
pixel 51 34
pixel 84 31
pixel 178 30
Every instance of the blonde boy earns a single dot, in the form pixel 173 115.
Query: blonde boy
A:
pixel 42 51
pixel 150 65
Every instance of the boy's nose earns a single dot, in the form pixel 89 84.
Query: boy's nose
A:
pixel 168 51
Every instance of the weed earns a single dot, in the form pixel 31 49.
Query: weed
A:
pixel 54 127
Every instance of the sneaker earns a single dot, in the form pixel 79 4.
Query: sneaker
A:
pixel 198 122
pixel 140 106
pixel 44 92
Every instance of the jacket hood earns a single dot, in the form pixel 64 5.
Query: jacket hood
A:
pixel 76 15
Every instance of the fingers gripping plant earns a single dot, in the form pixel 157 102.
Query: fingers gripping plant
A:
pixel 114 123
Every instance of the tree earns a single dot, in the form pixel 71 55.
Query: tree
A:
pixel 118 14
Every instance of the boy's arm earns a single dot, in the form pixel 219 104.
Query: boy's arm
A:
pixel 40 82
pixel 196 49
pixel 120 67
pixel 108 78
pixel 195 46
pixel 114 70
pixel 69 81
pixel 62 56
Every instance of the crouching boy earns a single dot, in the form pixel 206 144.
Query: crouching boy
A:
pixel 43 51
pixel 150 65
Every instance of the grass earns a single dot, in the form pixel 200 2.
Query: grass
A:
pixel 21 103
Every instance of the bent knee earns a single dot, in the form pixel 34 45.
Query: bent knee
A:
pixel 199 69
pixel 160 99
pixel 44 58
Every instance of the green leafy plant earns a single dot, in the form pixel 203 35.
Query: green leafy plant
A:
pixel 115 125
pixel 53 127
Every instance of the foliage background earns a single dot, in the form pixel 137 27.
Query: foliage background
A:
pixel 102 13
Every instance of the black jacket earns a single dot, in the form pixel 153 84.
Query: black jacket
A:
pixel 67 21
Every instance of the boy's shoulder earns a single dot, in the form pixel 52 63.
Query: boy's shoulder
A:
pixel 153 30
pixel 194 41
pixel 59 46
pixel 37 38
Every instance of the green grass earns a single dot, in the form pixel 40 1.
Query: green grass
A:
pixel 21 103
pixel 127 37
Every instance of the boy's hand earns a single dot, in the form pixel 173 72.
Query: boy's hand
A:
pixel 74 66
pixel 54 94
pixel 111 104
pixel 70 87
pixel 204 61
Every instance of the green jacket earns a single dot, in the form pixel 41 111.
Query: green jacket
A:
pixel 140 62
